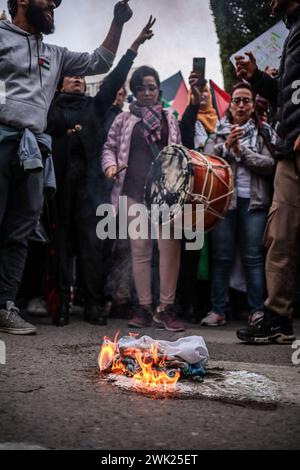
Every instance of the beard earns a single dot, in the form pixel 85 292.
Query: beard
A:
pixel 38 19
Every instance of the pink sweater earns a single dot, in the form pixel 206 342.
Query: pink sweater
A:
pixel 117 147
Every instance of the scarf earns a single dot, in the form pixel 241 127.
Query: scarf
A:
pixel 151 117
pixel 208 116
pixel 251 133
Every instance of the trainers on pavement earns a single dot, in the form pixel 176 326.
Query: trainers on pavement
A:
pixel 142 317
pixel 11 322
pixel 213 319
pixel 267 330
pixel 168 319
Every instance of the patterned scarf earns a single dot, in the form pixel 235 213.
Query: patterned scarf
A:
pixel 151 118
pixel 251 133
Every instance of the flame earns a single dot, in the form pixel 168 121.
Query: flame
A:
pixel 150 362
pixel 108 352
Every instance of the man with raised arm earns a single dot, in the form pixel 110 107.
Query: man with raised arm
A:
pixel 29 73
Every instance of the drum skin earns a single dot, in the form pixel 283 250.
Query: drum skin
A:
pixel 215 185
pixel 180 176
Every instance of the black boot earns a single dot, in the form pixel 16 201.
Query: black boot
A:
pixel 63 310
pixel 62 318
pixel 94 314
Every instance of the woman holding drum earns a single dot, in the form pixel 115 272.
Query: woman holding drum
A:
pixel 134 141
pixel 247 145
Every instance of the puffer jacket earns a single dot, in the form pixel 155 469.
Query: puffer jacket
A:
pixel 283 91
pixel 261 164
pixel 117 148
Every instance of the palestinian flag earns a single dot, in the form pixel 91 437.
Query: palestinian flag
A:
pixel 45 63
pixel 175 92
pixel 221 99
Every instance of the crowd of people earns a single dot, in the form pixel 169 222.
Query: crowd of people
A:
pixel 63 154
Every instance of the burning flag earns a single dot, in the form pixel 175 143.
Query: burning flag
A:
pixel 155 362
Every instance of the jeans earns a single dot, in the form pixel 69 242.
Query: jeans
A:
pixel 21 201
pixel 245 229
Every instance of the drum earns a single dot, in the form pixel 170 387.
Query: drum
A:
pixel 179 176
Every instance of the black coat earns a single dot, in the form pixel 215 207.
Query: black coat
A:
pixel 280 91
pixel 187 125
pixel 89 141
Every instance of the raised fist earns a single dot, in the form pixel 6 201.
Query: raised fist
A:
pixel 122 12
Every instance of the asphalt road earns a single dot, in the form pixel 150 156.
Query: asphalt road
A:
pixel 52 396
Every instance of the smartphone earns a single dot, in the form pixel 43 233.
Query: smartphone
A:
pixel 199 67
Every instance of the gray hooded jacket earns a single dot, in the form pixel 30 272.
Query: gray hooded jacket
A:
pixel 30 71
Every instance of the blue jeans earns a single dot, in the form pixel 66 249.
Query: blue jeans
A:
pixel 245 229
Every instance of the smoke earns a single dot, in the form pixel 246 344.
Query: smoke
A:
pixel 184 30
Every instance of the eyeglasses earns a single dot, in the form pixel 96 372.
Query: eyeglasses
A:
pixel 144 88
pixel 244 100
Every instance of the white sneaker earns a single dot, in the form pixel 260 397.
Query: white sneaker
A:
pixel 213 319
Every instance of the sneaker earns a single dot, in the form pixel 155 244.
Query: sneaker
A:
pixel 37 306
pixel 267 330
pixel 168 319
pixel 213 319
pixel 142 318
pixel 11 322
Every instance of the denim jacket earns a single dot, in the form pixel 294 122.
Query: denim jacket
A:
pixel 30 153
